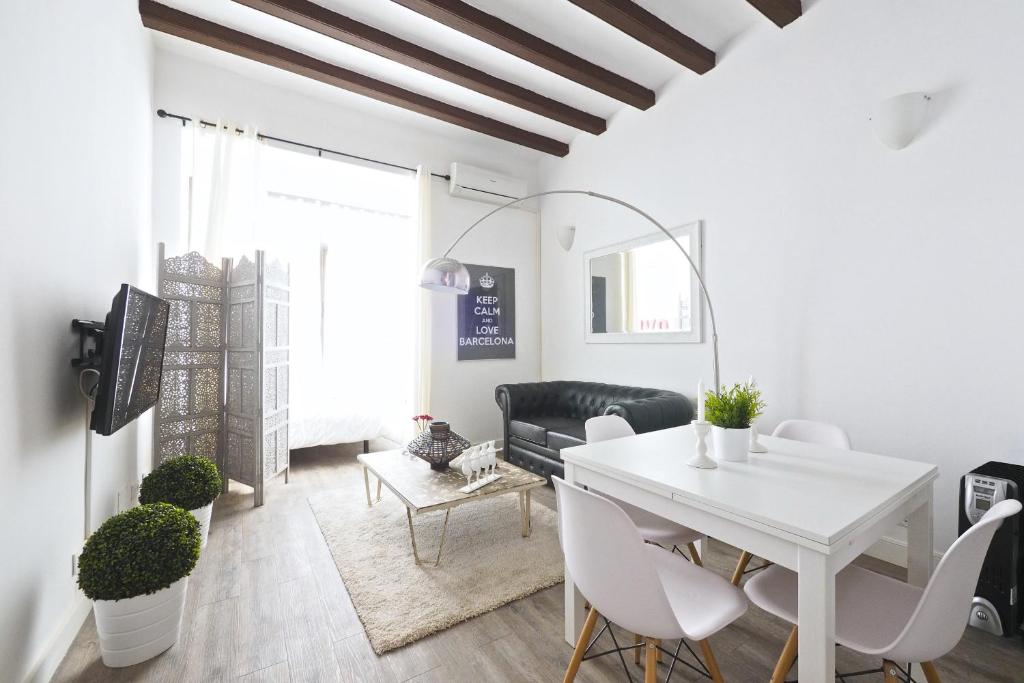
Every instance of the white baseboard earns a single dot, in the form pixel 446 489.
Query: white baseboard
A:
pixel 893 551
pixel 44 667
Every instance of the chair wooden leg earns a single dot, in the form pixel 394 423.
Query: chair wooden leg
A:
pixel 637 640
pixel 710 662
pixel 694 555
pixel 931 674
pixel 581 646
pixel 741 566
pixel 786 659
pixel 651 662
pixel 891 673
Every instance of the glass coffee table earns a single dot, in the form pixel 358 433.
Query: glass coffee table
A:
pixel 423 490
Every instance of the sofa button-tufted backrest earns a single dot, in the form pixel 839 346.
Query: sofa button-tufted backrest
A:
pixel 526 403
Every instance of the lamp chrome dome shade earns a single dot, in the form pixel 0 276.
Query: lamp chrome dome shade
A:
pixel 445 275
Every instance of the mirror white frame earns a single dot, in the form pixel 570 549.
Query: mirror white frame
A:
pixel 692 230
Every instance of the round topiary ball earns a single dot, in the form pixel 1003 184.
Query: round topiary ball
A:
pixel 139 551
pixel 188 481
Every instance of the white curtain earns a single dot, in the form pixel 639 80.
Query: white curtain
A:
pixel 289 229
pixel 370 321
pixel 423 357
pixel 355 238
pixel 350 234
pixel 224 190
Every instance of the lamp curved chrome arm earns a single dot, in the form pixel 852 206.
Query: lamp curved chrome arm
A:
pixel 446 274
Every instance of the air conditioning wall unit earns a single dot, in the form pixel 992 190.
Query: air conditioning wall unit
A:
pixel 470 182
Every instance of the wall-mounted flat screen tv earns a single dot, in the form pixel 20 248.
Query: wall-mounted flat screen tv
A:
pixel 132 359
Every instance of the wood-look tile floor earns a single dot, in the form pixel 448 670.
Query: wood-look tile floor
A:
pixel 266 604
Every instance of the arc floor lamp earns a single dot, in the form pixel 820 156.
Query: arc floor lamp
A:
pixel 445 274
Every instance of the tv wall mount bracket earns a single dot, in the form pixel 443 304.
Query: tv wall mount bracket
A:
pixel 90 343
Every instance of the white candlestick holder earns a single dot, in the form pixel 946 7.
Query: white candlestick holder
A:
pixel 755 440
pixel 701 460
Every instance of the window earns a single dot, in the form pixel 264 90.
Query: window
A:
pixel 349 234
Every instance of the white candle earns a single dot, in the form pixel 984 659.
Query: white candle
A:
pixel 700 401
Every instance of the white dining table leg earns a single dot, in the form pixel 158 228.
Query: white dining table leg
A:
pixel 816 614
pixel 920 543
pixel 574 600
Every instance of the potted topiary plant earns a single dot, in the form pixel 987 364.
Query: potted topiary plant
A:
pixel 730 413
pixel 135 569
pixel 189 481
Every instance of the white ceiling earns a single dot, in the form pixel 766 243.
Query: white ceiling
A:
pixel 713 23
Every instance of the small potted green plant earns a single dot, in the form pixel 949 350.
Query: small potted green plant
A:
pixel 190 482
pixel 730 413
pixel 135 569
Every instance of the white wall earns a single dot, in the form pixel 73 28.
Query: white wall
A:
pixel 74 192
pixel 462 392
pixel 876 289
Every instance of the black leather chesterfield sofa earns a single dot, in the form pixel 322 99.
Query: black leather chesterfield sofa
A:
pixel 542 418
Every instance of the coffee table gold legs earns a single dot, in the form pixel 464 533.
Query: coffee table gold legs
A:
pixel 524 512
pixel 412 536
pixel 366 482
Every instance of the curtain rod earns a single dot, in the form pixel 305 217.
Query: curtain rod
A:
pixel 319 150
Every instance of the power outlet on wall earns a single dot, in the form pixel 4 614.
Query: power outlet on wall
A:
pixel 126 497
pixel 137 490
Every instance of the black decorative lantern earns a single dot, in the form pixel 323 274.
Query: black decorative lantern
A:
pixel 439 445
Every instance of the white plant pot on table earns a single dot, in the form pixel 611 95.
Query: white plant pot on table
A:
pixel 136 629
pixel 730 445
pixel 202 516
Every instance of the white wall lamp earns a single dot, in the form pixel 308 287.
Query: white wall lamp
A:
pixel 897 120
pixel 566 235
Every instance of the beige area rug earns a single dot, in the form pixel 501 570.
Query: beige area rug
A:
pixel 486 562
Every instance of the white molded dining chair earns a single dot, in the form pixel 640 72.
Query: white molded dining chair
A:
pixel 653 528
pixel 809 431
pixel 636 585
pixel 889 619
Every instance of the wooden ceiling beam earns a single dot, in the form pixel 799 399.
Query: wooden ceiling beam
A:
pixel 176 23
pixel 489 29
pixel 334 25
pixel 782 12
pixel 638 23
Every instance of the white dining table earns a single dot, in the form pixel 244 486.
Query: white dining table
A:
pixel 812 509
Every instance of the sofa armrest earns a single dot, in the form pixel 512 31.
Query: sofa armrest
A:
pixel 528 398
pixel 652 414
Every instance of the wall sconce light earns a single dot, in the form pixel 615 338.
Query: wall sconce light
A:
pixel 566 235
pixel 898 120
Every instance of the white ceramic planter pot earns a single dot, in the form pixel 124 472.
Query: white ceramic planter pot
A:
pixel 202 516
pixel 136 629
pixel 730 445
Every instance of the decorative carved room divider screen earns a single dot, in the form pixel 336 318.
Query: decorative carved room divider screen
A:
pixel 257 372
pixel 224 393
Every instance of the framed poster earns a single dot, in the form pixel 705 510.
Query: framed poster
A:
pixel 487 315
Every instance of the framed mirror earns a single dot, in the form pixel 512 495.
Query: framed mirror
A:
pixel 643 291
